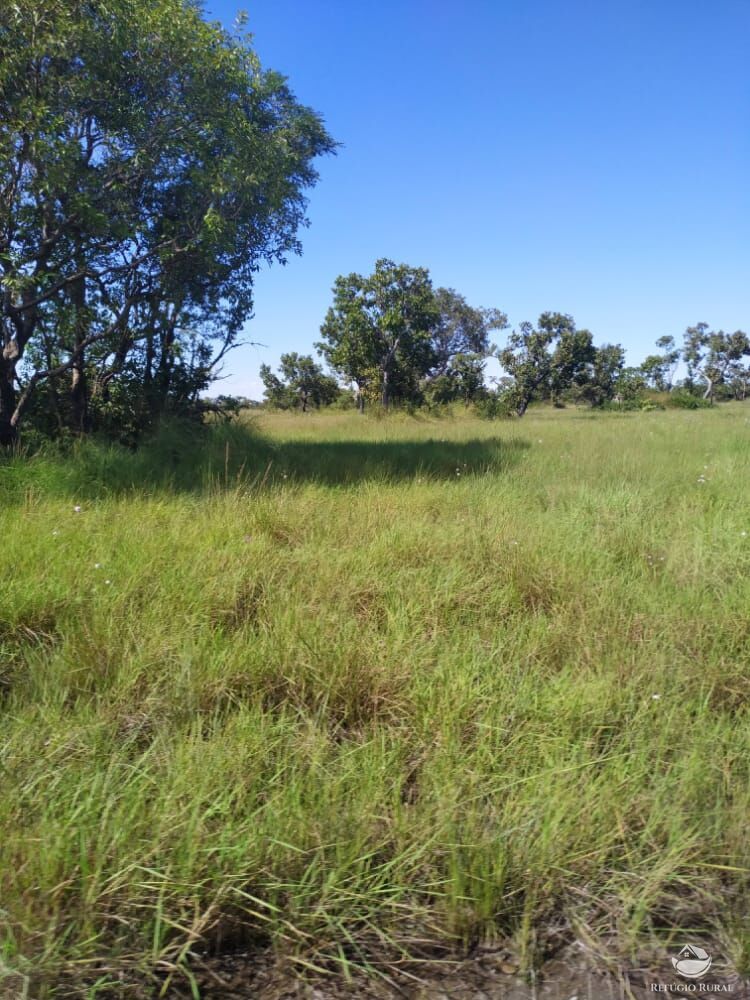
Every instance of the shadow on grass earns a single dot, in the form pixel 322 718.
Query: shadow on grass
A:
pixel 193 460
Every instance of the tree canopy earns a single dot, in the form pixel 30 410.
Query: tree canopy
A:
pixel 148 166
pixel 391 332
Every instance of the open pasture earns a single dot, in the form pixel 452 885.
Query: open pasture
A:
pixel 365 688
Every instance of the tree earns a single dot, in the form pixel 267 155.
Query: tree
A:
pixel 547 360
pixel 713 355
pixel 463 380
pixel 598 384
pixel 659 369
pixel 461 329
pixel 303 383
pixel 630 387
pixel 148 166
pixel 738 379
pixel 378 330
pixel 573 355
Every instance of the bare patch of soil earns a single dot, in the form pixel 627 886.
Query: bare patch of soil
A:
pixel 490 974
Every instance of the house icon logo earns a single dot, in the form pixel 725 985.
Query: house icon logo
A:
pixel 692 962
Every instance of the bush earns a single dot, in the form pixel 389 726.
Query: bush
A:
pixel 492 407
pixel 683 399
pixel 346 400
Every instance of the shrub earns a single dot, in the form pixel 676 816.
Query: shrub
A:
pixel 492 406
pixel 683 399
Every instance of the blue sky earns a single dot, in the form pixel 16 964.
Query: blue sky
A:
pixel 587 157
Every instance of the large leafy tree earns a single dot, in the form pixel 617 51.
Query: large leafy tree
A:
pixel 545 360
pixel 600 381
pixel 148 166
pixel 378 331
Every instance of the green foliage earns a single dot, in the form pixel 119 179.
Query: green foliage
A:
pixel 152 166
pixel 461 331
pixel 303 383
pixel 716 356
pixel 495 405
pixel 398 340
pixel 683 399
pixel 462 381
pixel 377 332
pixel 599 382
pixel 548 361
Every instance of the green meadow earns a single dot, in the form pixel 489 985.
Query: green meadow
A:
pixel 367 689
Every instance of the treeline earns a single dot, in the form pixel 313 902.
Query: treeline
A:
pixel 148 167
pixel 391 337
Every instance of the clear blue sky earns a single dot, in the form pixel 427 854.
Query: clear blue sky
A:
pixel 586 156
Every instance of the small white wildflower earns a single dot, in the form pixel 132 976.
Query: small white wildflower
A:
pixel 655 697
pixel 108 582
pixel 55 532
pixel 97 565
pixel 77 509
pixel 743 534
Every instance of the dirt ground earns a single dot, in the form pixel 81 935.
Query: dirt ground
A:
pixel 490 974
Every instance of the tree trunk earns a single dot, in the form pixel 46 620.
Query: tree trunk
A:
pixel 8 431
pixel 522 407
pixel 166 362
pixel 360 400
pixel 78 388
pixel 79 397
pixel 384 395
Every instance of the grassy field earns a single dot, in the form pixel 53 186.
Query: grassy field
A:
pixel 366 687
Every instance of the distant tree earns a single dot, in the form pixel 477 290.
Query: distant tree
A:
pixel 653 368
pixel 378 330
pixel 546 360
pixel 462 381
pixel 598 383
pixel 527 359
pixel 630 387
pixel 573 356
pixel 659 369
pixel 303 383
pixel 713 355
pixel 738 379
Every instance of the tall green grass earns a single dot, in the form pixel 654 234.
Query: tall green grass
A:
pixel 372 688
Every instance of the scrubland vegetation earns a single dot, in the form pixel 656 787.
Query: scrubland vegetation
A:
pixel 370 688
